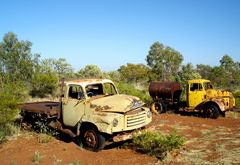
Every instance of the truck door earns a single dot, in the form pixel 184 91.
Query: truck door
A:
pixel 73 105
pixel 196 94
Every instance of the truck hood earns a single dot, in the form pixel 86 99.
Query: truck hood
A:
pixel 115 103
pixel 218 93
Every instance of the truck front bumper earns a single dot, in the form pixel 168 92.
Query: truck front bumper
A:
pixel 129 135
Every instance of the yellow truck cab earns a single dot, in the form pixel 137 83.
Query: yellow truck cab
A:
pixel 202 96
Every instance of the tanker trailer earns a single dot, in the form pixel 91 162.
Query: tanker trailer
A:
pixel 165 95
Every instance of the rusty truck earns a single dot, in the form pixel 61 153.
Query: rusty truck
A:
pixel 93 111
pixel 200 97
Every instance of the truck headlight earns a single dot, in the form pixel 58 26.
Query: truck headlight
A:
pixel 149 114
pixel 115 122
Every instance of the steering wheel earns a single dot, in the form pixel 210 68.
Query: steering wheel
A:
pixel 90 94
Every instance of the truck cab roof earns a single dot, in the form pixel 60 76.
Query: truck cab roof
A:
pixel 198 80
pixel 84 82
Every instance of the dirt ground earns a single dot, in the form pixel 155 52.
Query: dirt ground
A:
pixel 208 141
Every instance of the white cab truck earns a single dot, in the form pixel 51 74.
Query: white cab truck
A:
pixel 93 111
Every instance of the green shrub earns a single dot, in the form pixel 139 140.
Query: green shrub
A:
pixel 11 94
pixel 43 84
pixel 8 129
pixel 128 89
pixel 8 108
pixel 237 98
pixel 156 144
pixel 238 102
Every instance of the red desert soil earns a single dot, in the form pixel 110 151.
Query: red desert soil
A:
pixel 208 141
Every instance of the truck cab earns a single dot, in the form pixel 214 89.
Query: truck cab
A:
pixel 201 95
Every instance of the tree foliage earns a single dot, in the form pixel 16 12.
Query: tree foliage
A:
pixel 205 71
pixel 16 70
pixel 63 68
pixel 231 70
pixel 164 61
pixel 45 78
pixel 188 72
pixel 91 71
pixel 15 59
pixel 133 73
pixel 226 75
pixel 114 75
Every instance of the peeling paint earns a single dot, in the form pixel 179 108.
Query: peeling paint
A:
pixel 99 107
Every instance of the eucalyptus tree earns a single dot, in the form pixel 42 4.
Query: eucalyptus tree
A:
pixel 164 61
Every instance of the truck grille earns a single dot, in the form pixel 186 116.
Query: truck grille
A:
pixel 135 120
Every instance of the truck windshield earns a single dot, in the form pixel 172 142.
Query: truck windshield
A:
pixel 94 90
pixel 100 89
pixel 208 85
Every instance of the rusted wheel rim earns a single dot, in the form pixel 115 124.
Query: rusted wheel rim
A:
pixel 90 139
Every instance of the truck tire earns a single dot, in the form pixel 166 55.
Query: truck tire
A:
pixel 92 139
pixel 160 107
pixel 211 111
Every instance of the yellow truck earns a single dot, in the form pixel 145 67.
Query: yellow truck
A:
pixel 92 111
pixel 200 97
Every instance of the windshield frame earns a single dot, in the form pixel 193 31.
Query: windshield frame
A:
pixel 207 85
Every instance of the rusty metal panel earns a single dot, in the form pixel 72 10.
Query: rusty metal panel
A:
pixel 49 108
pixel 165 90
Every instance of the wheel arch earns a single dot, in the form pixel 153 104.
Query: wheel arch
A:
pixel 101 123
pixel 211 103
pixel 88 124
pixel 218 104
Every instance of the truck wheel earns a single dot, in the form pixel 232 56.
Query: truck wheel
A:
pixel 92 139
pixel 211 111
pixel 160 107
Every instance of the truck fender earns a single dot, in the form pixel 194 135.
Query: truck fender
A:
pixel 218 103
pixel 101 124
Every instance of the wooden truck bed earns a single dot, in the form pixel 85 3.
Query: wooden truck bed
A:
pixel 46 107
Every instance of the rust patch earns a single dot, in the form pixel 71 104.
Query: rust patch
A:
pixel 102 114
pixel 99 107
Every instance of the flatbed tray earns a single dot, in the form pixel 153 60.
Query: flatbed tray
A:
pixel 47 107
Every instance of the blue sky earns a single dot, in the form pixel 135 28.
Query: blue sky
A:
pixel 111 33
